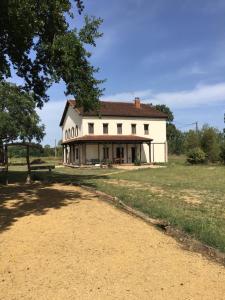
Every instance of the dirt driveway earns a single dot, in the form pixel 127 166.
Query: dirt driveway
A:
pixel 60 242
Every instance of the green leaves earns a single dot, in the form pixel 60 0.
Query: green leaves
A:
pixel 18 118
pixel 89 32
pixel 36 39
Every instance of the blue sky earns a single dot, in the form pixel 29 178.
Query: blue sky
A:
pixel 164 51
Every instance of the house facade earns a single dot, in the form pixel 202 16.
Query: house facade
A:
pixel 119 133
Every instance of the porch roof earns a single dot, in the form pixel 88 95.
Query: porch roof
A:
pixel 109 139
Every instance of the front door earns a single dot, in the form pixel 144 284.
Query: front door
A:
pixel 133 154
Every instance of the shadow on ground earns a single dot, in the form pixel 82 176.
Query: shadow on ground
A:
pixel 18 200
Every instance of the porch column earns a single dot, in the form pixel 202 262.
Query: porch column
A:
pixel 98 153
pixel 127 152
pixel 120 152
pixel 63 154
pixel 79 153
pixel 149 145
pixel 66 154
pixel 140 152
pixel 71 154
pixel 112 154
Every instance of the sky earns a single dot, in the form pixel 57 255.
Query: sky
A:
pixel 164 51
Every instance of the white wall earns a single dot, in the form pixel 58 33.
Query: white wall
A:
pixel 157 132
pixel 72 119
pixel 157 127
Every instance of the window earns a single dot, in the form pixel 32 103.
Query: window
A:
pixel 119 128
pixel 105 153
pixel 146 128
pixel 105 128
pixel 133 128
pixel 66 135
pixel 69 134
pixel 72 132
pixel 77 153
pixel 90 128
pixel 76 131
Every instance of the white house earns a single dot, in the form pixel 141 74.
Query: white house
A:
pixel 119 132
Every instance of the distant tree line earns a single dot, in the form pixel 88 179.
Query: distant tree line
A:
pixel 45 151
pixel 200 146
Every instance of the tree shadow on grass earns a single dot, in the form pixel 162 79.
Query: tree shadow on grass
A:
pixel 54 177
pixel 19 200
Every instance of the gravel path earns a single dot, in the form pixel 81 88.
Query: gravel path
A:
pixel 60 242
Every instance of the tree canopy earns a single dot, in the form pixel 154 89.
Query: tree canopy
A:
pixel 18 118
pixel 165 109
pixel 36 39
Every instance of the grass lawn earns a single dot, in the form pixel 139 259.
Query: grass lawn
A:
pixel 192 198
pixel 48 160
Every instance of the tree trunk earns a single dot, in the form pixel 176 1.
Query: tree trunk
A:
pixel 6 164
pixel 28 180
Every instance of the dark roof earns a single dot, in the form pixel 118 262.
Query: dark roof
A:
pixel 117 109
pixel 108 138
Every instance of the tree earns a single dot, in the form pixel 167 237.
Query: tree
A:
pixel 191 140
pixel 210 142
pixel 222 153
pixel 48 151
pixel 18 118
pixel 37 41
pixel 175 139
pixel 165 109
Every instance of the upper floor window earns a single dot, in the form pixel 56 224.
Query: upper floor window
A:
pixel 76 130
pixel 66 135
pixel 133 128
pixel 69 134
pixel 90 128
pixel 72 132
pixel 146 128
pixel 105 128
pixel 119 128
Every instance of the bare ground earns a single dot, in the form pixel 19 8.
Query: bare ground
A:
pixel 61 242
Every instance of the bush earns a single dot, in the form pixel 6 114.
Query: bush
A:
pixel 137 162
pixel 37 161
pixel 222 153
pixel 196 156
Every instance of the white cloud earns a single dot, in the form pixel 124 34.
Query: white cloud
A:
pixel 194 69
pixel 128 96
pixel 200 95
pixel 169 56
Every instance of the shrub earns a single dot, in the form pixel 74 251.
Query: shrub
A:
pixel 37 161
pixel 222 153
pixel 137 162
pixel 196 156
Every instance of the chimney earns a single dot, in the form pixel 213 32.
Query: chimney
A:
pixel 137 102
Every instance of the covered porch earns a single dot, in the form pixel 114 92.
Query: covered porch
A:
pixel 92 150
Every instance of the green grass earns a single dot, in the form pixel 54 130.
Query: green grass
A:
pixel 48 159
pixel 191 198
